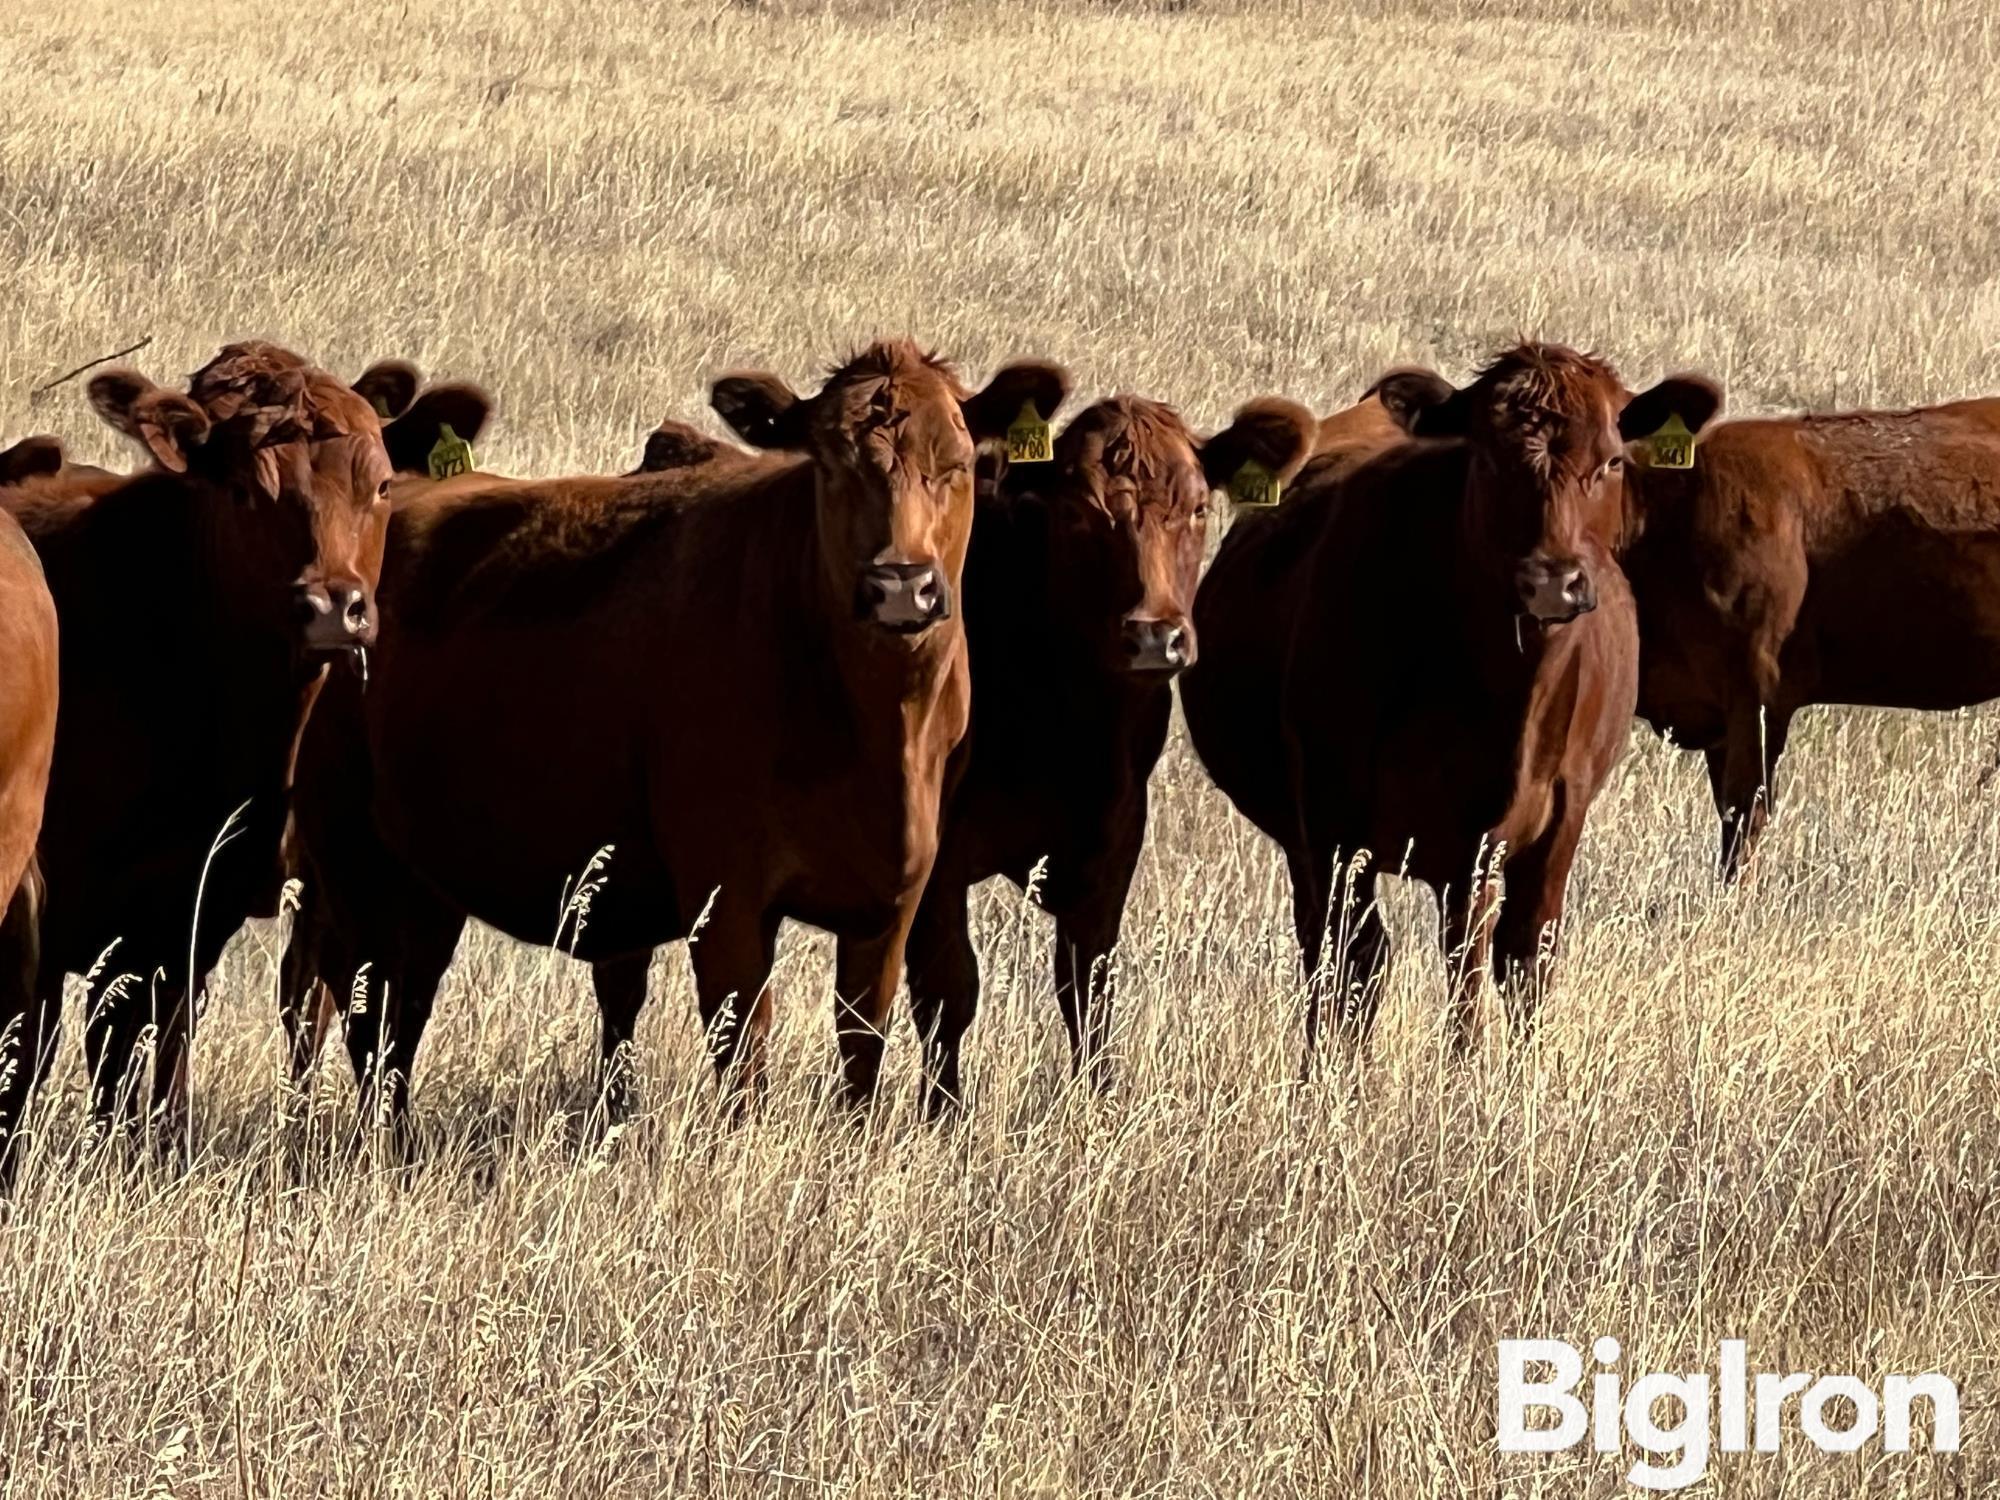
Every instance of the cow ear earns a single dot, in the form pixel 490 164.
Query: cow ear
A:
pixel 761 409
pixel 465 409
pixel 389 386
pixel 29 458
pixel 1274 433
pixel 676 445
pixel 1695 399
pixel 167 424
pixel 1407 393
pixel 993 410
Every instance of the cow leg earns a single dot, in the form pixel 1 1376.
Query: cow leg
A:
pixel 944 991
pixel 1090 910
pixel 621 994
pixel 1466 917
pixel 30 1017
pixel 732 956
pixel 1363 959
pixel 1742 775
pixel 866 972
pixel 1530 924
pixel 120 1005
pixel 1310 876
pixel 391 1005
pixel 305 999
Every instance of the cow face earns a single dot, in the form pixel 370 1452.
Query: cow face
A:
pixel 1129 499
pixel 892 438
pixel 1546 430
pixel 301 454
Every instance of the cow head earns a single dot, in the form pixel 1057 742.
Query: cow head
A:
pixel 1128 495
pixel 892 437
pixel 1546 430
pixel 301 457
pixel 414 416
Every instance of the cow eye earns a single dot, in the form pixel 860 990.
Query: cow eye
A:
pixel 1201 511
pixel 1612 465
pixel 382 490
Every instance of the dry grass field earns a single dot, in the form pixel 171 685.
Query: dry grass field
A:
pixel 1770 1113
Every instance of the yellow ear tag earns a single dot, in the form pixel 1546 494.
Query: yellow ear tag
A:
pixel 1029 440
pixel 451 455
pixel 1253 486
pixel 1672 447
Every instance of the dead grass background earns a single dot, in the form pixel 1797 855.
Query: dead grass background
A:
pixel 1771 1113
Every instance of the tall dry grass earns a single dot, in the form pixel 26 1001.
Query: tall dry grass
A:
pixel 1771 1113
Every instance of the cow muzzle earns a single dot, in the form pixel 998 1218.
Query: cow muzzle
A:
pixel 1158 647
pixel 334 616
pixel 1554 589
pixel 904 597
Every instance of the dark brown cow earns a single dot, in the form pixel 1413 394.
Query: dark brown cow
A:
pixel 1078 590
pixel 1241 683
pixel 1460 663
pixel 1849 558
pixel 744 682
pixel 258 536
pixel 28 689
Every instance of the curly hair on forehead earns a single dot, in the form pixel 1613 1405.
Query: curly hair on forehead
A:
pixel 1546 377
pixel 894 360
pixel 1533 391
pixel 264 385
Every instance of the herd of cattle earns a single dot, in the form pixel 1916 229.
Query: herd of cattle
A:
pixel 910 638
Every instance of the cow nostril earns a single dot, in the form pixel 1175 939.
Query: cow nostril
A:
pixel 1176 645
pixel 356 613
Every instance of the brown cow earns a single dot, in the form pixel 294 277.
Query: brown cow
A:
pixel 28 688
pixel 1850 558
pixel 261 526
pixel 743 682
pixel 1460 660
pixel 1078 590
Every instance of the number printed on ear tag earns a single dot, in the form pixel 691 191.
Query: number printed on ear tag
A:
pixel 1028 439
pixel 451 454
pixel 1672 447
pixel 1253 486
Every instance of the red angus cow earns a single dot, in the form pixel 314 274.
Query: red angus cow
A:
pixel 260 531
pixel 745 683
pixel 1078 590
pixel 1850 558
pixel 1460 663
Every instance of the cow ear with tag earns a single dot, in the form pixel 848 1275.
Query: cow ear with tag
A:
pixel 1265 444
pixel 1016 406
pixel 1664 424
pixel 409 439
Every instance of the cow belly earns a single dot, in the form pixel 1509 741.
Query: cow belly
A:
pixel 1914 624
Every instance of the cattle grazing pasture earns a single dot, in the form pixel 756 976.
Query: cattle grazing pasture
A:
pixel 1764 1109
